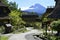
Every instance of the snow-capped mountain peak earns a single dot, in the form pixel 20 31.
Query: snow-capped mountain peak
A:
pixel 37 8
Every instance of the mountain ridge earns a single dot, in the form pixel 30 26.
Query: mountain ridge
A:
pixel 37 8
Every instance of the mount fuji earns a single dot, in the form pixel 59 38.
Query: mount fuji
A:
pixel 37 8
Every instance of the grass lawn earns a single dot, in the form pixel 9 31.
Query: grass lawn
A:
pixel 3 38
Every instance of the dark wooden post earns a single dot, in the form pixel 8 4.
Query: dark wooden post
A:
pixel 46 27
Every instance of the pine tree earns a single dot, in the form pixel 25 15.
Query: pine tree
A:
pixel 13 6
pixel 5 2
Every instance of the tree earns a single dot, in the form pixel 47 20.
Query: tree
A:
pixel 14 15
pixel 16 20
pixel 13 6
pixel 32 12
pixel 56 26
pixel 5 2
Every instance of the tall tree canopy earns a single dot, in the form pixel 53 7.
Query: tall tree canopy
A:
pixel 13 6
pixel 5 2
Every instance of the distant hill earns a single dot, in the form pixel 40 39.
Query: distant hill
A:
pixel 37 8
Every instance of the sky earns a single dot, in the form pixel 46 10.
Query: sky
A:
pixel 25 4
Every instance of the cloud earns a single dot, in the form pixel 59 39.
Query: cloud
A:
pixel 24 8
pixel 10 0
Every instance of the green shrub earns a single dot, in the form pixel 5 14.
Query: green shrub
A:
pixel 2 29
pixel 55 25
pixel 3 38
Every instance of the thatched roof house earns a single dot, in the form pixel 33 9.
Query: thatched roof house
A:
pixel 56 12
pixel 4 10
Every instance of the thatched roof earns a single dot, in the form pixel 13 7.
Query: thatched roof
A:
pixel 56 12
pixel 1 4
pixel 30 16
pixel 4 10
pixel 3 18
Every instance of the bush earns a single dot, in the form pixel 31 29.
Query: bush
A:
pixel 55 25
pixel 16 20
pixel 2 29
pixel 14 17
pixel 3 38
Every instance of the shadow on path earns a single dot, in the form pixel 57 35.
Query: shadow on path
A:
pixel 31 37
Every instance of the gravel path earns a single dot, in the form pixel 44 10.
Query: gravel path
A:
pixel 30 37
pixel 24 36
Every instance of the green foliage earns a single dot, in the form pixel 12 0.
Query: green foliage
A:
pixel 56 25
pixel 5 2
pixel 45 19
pixel 16 20
pixel 3 38
pixel 49 37
pixel 33 13
pixel 13 6
pixel 2 29
pixel 53 38
pixel 14 15
pixel 37 25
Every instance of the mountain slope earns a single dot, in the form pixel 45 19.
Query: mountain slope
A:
pixel 37 8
